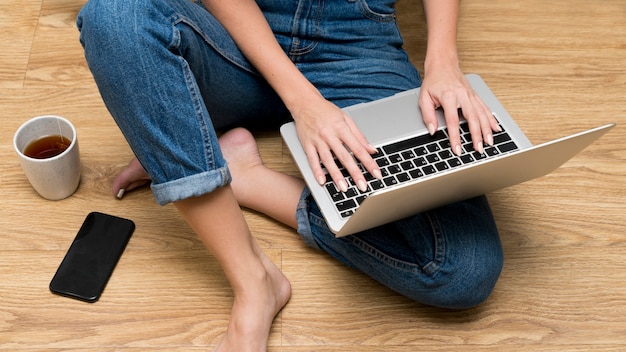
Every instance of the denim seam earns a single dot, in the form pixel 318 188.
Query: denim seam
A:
pixel 367 12
pixel 440 248
pixel 380 256
pixel 316 32
pixel 196 98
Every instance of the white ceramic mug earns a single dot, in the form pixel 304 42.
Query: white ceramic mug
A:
pixel 55 177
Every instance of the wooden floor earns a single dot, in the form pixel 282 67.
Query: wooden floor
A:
pixel 558 66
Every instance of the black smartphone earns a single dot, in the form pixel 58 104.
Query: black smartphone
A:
pixel 90 260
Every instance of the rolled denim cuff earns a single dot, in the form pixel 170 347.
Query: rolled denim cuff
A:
pixel 302 216
pixel 191 186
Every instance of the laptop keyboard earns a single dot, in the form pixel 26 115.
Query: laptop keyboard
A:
pixel 414 158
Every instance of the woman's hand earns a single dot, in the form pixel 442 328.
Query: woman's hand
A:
pixel 450 90
pixel 326 133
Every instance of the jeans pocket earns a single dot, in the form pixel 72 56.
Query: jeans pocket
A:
pixel 376 10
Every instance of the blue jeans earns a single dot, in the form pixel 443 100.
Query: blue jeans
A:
pixel 171 76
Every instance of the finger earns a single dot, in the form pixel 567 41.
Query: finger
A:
pixel 473 118
pixel 345 149
pixel 327 158
pixel 428 106
pixel 490 124
pixel 451 114
pixel 315 163
pixel 346 159
pixel 486 122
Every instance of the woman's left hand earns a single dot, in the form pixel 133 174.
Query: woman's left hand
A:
pixel 449 89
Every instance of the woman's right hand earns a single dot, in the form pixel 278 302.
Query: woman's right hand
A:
pixel 326 133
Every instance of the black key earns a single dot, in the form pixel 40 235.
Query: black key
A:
pixel 360 199
pixel 413 142
pixel 466 158
pixel 403 177
pixel 395 158
pixel 408 155
pixel 507 147
pixel 420 151
pixel 345 205
pixel 478 156
pixel 335 194
pixel 433 158
pixel 382 162
pixel 428 170
pixel 500 138
pixel 390 181
pixel 419 162
pixel 454 162
pixel 445 154
pixel 416 173
pixel 439 135
pixel 394 169
pixel 433 147
pixel 351 192
pixel 491 151
pixel 442 166
pixel 407 165
pixel 346 214
pixel 378 184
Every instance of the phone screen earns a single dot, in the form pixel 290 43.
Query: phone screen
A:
pixel 90 260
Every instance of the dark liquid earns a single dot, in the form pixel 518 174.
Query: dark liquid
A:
pixel 47 147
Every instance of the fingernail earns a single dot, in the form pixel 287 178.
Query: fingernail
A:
pixel 480 148
pixel 120 193
pixel 490 139
pixel 321 180
pixel 362 185
pixel 377 174
pixel 431 128
pixel 458 150
pixel 343 186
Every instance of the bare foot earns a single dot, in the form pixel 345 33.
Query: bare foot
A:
pixel 253 311
pixel 131 177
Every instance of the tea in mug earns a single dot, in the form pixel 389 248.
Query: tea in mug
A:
pixel 47 147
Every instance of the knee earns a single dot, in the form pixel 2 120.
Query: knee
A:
pixel 468 284
pixel 105 24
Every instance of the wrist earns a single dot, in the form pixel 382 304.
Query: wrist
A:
pixel 441 60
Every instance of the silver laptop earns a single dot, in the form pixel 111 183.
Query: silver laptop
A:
pixel 419 170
